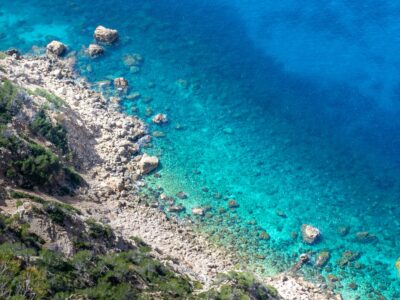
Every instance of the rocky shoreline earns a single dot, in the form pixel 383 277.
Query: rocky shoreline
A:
pixel 107 146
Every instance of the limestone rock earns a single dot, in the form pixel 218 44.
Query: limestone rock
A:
pixel 160 119
pixel 94 50
pixel 121 83
pixel 147 163
pixel 56 48
pixel 105 35
pixel 310 234
pixel 176 208
pixel 198 211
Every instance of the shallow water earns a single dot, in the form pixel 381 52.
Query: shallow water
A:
pixel 291 111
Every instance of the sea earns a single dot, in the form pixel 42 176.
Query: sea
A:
pixel 288 109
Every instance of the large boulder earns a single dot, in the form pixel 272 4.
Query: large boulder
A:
pixel 147 163
pixel 121 83
pixel 106 35
pixel 94 50
pixel 56 48
pixel 310 234
pixel 160 118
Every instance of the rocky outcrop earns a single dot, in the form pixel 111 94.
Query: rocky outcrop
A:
pixel 198 211
pixel 120 83
pixel 160 119
pixel 94 50
pixel 310 234
pixel 56 48
pixel 106 35
pixel 147 164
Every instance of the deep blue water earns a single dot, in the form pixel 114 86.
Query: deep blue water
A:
pixel 284 106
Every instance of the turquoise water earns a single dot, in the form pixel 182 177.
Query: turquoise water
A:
pixel 290 110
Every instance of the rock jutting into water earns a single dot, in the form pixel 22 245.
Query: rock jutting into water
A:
pixel 94 50
pixel 310 234
pixel 106 35
pixel 147 163
pixel 56 48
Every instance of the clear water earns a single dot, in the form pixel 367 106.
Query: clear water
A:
pixel 285 107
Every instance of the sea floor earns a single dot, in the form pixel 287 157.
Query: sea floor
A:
pixel 240 127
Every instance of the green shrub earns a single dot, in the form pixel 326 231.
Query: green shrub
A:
pixel 99 231
pixel 56 134
pixel 8 93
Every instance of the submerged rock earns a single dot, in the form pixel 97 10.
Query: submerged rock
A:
pixel 133 59
pixel 181 195
pixel 365 237
pixel 322 258
pixel 106 35
pixel 281 214
pixel 160 119
pixel 147 163
pixel 94 50
pixel 343 230
pixel 56 48
pixel 347 257
pixel 176 208
pixel 265 236
pixel 310 234
pixel 233 204
pixel 397 265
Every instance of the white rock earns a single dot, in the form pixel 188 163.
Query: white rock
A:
pixel 160 118
pixel 56 48
pixel 309 233
pixel 198 211
pixel 105 35
pixel 147 163
pixel 94 50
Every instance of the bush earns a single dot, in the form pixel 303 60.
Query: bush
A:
pixel 56 134
pixel 8 93
pixel 99 231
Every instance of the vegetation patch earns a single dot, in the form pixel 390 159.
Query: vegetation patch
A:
pixel 8 103
pixel 99 231
pixel 56 134
pixel 57 101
